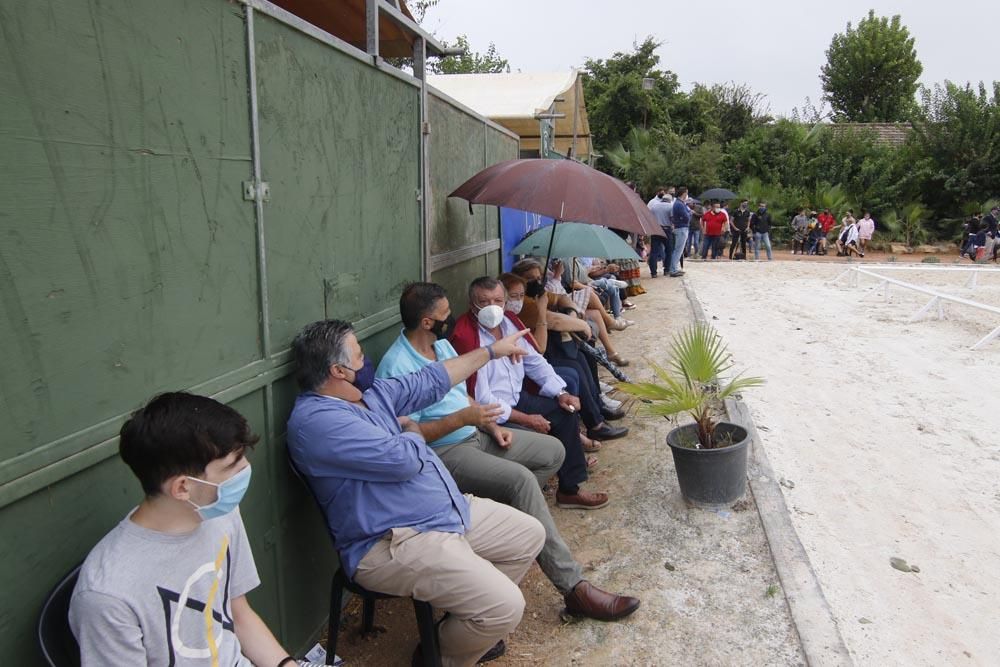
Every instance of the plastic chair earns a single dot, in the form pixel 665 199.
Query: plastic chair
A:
pixel 423 610
pixel 56 640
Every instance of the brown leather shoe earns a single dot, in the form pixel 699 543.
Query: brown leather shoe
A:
pixel 582 500
pixel 588 600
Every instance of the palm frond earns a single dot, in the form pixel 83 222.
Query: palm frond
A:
pixel 699 354
pixel 738 384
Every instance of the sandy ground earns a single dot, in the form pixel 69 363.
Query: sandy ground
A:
pixel 710 595
pixel 884 433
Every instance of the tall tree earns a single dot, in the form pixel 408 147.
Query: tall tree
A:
pixel 871 71
pixel 956 146
pixel 616 99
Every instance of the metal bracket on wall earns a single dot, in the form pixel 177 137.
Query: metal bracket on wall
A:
pixel 251 188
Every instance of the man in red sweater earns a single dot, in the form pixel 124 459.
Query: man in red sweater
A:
pixel 714 222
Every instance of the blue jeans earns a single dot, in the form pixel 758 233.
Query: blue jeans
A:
pixel 694 243
pixel 613 293
pixel 758 238
pixel 657 252
pixel 680 243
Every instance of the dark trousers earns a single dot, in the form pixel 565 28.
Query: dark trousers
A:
pixel 579 383
pixel 740 238
pixel 565 426
pixel 583 369
pixel 658 252
pixel 713 242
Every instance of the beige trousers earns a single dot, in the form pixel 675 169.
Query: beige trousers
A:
pixel 473 576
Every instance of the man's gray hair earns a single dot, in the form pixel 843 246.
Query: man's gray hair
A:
pixel 484 283
pixel 317 347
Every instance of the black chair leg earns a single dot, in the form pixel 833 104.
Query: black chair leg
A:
pixel 336 604
pixel 428 633
pixel 368 614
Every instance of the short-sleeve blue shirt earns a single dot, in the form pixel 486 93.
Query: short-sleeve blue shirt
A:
pixel 401 358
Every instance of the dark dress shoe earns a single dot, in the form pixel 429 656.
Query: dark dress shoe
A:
pixel 590 601
pixel 498 650
pixel 612 415
pixel 607 432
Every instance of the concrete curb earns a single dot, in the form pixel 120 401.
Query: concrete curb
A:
pixel 814 622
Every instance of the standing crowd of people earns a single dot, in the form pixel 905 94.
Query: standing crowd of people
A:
pixel 703 230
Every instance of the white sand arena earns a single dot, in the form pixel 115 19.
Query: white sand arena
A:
pixel 885 434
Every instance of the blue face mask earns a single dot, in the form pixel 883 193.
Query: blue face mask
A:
pixel 229 495
pixel 364 377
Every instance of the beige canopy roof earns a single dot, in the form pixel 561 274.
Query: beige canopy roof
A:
pixel 516 100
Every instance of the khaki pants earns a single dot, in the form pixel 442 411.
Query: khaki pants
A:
pixel 514 476
pixel 473 576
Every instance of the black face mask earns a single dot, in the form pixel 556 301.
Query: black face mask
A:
pixel 534 289
pixel 443 328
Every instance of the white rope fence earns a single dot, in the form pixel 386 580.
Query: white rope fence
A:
pixel 937 297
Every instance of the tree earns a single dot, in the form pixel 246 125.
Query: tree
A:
pixel 871 72
pixel 956 147
pixel 470 62
pixel 639 159
pixel 616 99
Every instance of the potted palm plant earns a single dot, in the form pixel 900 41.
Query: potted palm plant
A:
pixel 710 455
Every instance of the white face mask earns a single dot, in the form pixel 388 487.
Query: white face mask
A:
pixel 490 316
pixel 515 306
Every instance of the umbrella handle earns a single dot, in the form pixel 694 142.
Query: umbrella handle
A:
pixel 548 255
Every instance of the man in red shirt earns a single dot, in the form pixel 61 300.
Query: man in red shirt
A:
pixel 826 220
pixel 714 222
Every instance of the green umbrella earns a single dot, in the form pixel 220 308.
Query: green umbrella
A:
pixel 575 239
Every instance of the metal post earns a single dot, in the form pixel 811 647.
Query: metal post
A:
pixel 576 112
pixel 371 28
pixel 265 306
pixel 258 198
pixel 420 71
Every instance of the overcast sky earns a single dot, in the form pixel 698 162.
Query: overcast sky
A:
pixel 775 46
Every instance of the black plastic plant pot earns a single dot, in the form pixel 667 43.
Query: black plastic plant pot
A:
pixel 710 478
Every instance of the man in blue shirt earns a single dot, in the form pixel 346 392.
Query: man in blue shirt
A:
pixel 485 459
pixel 680 215
pixel 661 207
pixel 398 520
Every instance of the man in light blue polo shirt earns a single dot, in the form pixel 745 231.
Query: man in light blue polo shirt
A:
pixel 486 460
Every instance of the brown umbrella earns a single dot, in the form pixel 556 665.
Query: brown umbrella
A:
pixel 563 190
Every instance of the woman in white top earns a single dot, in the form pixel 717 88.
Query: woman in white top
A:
pixel 866 227
pixel 847 242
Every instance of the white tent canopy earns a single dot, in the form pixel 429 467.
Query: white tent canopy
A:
pixel 516 101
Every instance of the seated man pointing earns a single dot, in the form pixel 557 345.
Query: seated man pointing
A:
pixel 485 459
pixel 397 518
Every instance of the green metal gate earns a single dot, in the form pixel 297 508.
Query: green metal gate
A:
pixel 168 220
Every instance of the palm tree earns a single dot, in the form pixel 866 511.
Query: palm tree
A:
pixel 691 383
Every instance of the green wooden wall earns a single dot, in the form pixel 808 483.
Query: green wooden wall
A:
pixel 131 264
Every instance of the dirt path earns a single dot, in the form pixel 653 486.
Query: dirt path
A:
pixel 884 433
pixel 709 592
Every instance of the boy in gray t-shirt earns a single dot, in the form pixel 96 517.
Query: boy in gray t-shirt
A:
pixel 167 585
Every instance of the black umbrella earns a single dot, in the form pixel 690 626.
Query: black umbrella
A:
pixel 721 194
